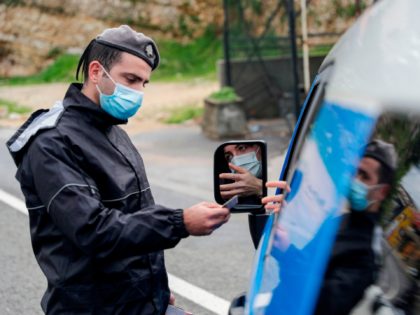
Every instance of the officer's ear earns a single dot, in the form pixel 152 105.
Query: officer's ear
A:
pixel 94 71
pixel 384 191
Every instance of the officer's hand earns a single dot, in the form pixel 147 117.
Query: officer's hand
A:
pixel 204 217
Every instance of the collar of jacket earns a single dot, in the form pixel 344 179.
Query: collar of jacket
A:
pixel 361 219
pixel 75 98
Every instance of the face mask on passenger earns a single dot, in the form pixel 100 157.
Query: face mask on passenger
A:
pixel 123 103
pixel 358 195
pixel 249 162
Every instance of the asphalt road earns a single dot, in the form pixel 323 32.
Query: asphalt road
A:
pixel 219 264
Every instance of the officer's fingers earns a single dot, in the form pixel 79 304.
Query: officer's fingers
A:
pixel 273 207
pixel 227 217
pixel 275 198
pixel 213 205
pixel 219 221
pixel 172 299
pixel 208 204
pixel 218 215
pixel 278 184
pixel 221 211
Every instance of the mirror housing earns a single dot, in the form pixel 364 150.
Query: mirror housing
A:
pixel 244 155
pixel 237 306
pixel 256 227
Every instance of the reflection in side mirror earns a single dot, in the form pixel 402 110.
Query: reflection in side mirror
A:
pixel 240 169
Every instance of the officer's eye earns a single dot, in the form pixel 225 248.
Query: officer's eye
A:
pixel 242 147
pixel 132 80
pixel 228 156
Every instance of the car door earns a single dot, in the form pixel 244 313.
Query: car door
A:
pixel 266 274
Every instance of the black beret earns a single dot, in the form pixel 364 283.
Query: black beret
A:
pixel 128 40
pixel 383 152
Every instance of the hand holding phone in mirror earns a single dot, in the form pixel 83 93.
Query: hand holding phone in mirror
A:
pixel 244 183
pixel 273 203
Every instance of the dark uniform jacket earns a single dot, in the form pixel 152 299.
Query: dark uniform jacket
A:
pixel 96 232
pixel 353 264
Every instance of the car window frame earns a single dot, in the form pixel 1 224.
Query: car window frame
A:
pixel 311 106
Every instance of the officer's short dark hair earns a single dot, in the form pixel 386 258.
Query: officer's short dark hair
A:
pixel 106 55
pixel 386 174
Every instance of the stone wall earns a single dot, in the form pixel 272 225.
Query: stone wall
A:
pixel 29 37
pixel 33 31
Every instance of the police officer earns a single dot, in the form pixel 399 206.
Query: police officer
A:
pixel 96 232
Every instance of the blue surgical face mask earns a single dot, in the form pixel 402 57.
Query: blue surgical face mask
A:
pixel 249 162
pixel 123 103
pixel 358 195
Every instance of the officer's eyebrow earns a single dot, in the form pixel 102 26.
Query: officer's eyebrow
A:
pixel 133 76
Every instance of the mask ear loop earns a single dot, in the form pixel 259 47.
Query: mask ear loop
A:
pixel 373 187
pixel 256 152
pixel 108 75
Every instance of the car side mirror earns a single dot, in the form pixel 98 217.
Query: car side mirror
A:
pixel 240 169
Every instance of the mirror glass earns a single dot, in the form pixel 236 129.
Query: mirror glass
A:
pixel 240 169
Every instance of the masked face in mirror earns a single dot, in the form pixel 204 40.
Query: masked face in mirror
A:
pixel 244 158
pixel 240 169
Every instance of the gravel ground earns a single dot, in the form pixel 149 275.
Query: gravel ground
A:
pixel 160 99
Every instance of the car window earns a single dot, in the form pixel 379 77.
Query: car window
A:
pixel 308 115
pixel 326 251
pixel 310 108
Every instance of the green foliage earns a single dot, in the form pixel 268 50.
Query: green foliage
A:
pixel 55 52
pixel 12 2
pixel 183 61
pixel 225 94
pixel 349 10
pixel 257 7
pixel 179 61
pixel 12 107
pixel 183 26
pixel 182 114
pixel 320 50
